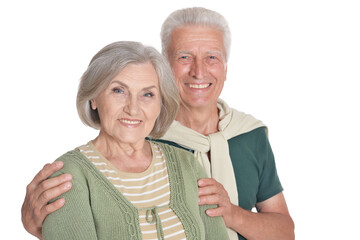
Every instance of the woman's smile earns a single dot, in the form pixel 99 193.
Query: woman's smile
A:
pixel 130 122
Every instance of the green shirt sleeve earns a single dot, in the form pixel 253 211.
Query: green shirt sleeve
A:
pixel 269 183
pixel 254 167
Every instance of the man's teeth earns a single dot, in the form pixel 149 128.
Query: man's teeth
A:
pixel 199 85
pixel 129 122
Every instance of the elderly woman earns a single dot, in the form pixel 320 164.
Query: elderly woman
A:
pixel 124 186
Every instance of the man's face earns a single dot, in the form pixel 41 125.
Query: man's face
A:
pixel 197 57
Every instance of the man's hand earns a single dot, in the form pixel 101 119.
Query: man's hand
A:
pixel 213 192
pixel 39 192
pixel 272 221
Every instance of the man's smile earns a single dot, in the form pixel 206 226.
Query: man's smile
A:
pixel 198 86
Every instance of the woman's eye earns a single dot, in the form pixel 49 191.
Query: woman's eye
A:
pixel 148 94
pixel 117 90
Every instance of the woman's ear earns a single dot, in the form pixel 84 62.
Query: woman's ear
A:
pixel 93 104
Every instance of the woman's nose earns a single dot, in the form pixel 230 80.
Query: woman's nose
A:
pixel 131 106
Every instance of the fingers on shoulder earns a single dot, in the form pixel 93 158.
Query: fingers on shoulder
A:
pixel 54 191
pixel 209 199
pixel 46 172
pixel 52 207
pixel 213 212
pixel 203 182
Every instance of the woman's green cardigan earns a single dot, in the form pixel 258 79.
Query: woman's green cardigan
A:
pixel 95 209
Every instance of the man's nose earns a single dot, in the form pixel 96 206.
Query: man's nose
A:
pixel 198 69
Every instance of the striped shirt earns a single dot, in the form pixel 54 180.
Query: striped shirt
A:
pixel 148 191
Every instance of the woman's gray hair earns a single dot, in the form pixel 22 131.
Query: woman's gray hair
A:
pixel 194 16
pixel 108 63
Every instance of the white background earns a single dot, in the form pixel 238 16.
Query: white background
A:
pixel 294 64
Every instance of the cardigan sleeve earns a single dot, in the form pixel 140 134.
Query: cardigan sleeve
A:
pixel 74 220
pixel 215 228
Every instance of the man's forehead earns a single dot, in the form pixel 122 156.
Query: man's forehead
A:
pixel 194 32
pixel 192 35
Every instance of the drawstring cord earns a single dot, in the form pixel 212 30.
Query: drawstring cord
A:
pixel 153 211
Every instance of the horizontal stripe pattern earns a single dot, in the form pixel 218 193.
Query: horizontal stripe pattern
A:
pixel 148 189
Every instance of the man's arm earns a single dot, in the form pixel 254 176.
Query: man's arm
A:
pixel 39 192
pixel 272 221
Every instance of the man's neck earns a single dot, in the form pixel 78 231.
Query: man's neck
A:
pixel 202 120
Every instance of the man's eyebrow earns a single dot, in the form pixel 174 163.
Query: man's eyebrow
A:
pixel 182 52
pixel 215 52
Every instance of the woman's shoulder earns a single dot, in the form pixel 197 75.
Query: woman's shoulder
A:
pixel 173 144
pixel 178 157
pixel 74 162
pixel 171 149
pixel 70 156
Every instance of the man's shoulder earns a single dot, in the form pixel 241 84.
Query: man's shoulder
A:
pixel 256 133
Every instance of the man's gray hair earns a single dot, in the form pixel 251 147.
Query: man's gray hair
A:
pixel 108 63
pixel 194 16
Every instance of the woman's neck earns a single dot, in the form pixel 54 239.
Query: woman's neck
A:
pixel 127 157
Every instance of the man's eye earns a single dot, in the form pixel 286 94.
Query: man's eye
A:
pixel 212 57
pixel 185 59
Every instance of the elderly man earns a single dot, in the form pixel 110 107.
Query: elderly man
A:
pixel 231 146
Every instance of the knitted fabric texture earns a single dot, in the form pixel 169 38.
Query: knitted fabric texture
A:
pixel 95 209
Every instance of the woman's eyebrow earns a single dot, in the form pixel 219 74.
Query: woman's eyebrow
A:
pixel 120 83
pixel 127 87
pixel 150 87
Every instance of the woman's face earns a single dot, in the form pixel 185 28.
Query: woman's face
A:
pixel 130 105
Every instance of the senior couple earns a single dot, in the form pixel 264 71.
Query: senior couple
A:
pixel 148 176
